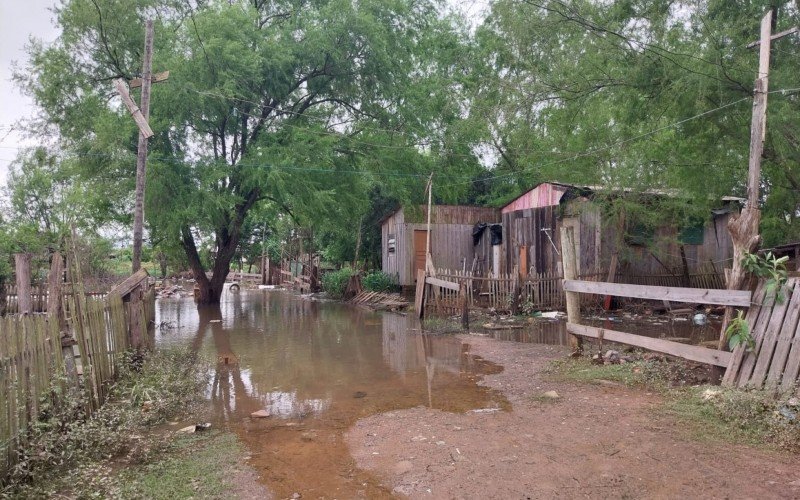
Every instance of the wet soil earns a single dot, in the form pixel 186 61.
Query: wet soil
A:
pixel 317 368
pixel 362 405
pixel 593 441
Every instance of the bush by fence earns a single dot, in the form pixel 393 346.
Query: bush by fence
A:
pixel 335 282
pixel 378 281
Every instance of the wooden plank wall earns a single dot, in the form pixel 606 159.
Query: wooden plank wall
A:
pixel 451 238
pixel 32 363
pixel 524 228
pixel 597 238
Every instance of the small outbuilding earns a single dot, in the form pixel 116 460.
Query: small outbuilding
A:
pixel 404 239
pixel 532 226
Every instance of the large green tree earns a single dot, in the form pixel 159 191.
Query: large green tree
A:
pixel 303 105
pixel 599 93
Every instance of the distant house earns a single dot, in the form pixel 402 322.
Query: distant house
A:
pixel 404 239
pixel 532 225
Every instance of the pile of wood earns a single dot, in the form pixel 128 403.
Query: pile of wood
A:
pixel 380 300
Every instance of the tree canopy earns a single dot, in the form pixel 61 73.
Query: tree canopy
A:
pixel 287 116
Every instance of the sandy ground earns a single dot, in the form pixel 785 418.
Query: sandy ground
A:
pixel 593 441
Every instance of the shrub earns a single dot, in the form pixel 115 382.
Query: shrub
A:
pixel 378 281
pixel 335 282
pixel 148 392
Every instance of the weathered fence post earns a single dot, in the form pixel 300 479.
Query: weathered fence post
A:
pixel 570 273
pixel 55 281
pixel 419 296
pixel 55 313
pixel 22 263
pixel 464 306
pixel 515 291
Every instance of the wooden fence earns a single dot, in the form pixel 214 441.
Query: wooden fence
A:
pixel 774 360
pixel 33 361
pixel 538 291
pixel 9 303
pixel 692 295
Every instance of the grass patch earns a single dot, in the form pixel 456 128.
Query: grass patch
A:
pixel 437 324
pixel 706 412
pixel 753 417
pixel 197 466
pixel 583 370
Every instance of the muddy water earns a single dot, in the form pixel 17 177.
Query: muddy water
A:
pixel 317 368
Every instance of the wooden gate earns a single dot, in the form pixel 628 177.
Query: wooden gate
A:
pixel 420 246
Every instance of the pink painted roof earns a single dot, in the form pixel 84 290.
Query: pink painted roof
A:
pixel 543 195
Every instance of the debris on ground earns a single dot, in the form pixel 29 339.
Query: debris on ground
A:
pixel 380 301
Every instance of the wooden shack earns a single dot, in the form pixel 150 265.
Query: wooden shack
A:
pixel 532 224
pixel 404 237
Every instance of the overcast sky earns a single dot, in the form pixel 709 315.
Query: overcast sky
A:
pixel 19 20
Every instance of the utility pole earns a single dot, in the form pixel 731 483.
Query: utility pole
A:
pixel 744 229
pixel 141 154
pixel 428 257
pixel 141 115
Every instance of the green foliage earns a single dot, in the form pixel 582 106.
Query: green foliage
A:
pixel 378 281
pixel 196 466
pixel 166 384
pixel 298 110
pixel 334 283
pixel 738 332
pixel 753 417
pixel 770 268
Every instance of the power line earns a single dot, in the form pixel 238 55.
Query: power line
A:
pixel 471 180
pixel 635 138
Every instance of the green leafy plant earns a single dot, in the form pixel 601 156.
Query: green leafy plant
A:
pixel 335 282
pixel 738 332
pixel 770 268
pixel 378 281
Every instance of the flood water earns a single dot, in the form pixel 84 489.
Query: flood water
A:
pixel 318 367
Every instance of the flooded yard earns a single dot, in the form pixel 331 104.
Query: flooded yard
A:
pixel 318 367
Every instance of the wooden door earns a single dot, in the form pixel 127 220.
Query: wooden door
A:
pixel 523 261
pixel 420 248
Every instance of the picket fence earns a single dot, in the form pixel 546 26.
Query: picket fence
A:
pixel 35 367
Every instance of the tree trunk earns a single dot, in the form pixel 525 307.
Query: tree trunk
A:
pixel 227 236
pixel 745 238
pixel 210 290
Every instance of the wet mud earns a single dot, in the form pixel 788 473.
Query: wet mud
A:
pixel 317 368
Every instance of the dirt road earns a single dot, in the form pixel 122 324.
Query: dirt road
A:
pixel 593 441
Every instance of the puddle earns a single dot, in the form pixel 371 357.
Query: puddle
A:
pixel 318 367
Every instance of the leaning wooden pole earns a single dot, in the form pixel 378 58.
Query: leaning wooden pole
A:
pixel 141 154
pixel 571 273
